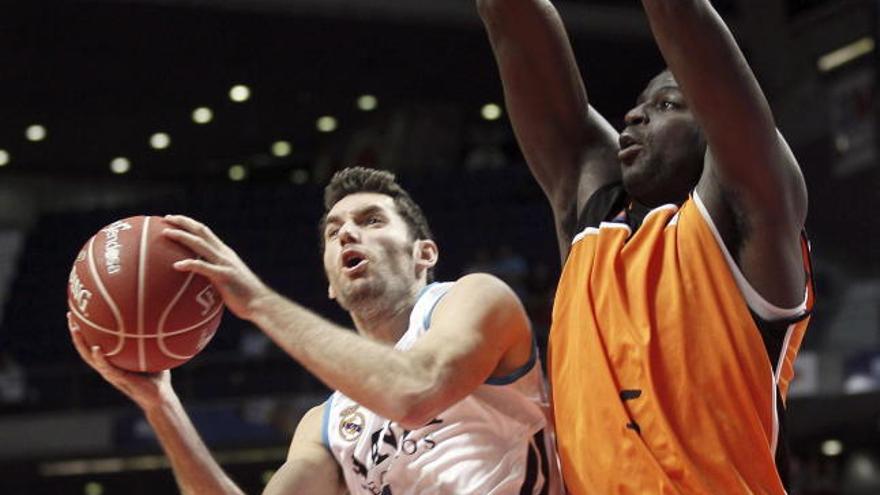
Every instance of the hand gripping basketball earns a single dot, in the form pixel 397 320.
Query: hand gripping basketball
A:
pixel 237 284
pixel 145 389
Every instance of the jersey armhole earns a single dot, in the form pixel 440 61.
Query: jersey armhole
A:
pixel 761 307
pixel 519 372
pixel 325 423
pixel 426 321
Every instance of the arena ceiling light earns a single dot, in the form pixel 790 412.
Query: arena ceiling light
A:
pixel 237 173
pixel 491 111
pixel 327 123
pixel 93 488
pixel 120 165
pixel 160 141
pixel 832 447
pixel 842 143
pixel 4 158
pixel 35 133
pixel 239 93
pixel 367 103
pixel 281 148
pixel 846 54
pixel 202 115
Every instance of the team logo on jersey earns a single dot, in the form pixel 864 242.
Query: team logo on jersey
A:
pixel 351 423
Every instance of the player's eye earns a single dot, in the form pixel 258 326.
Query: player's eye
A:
pixel 667 105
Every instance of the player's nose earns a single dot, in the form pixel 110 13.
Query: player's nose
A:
pixel 348 233
pixel 636 116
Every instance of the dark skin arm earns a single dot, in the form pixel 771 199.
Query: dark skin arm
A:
pixel 569 147
pixel 751 183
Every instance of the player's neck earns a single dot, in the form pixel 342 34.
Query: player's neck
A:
pixel 386 322
pixel 388 329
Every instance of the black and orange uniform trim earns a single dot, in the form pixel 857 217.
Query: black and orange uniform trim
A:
pixel 669 371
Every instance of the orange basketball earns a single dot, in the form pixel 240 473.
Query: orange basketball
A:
pixel 126 297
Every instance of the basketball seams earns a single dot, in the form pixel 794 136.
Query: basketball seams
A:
pixel 79 316
pixel 120 323
pixel 188 329
pixel 172 333
pixel 142 275
pixel 161 325
pixel 196 325
pixel 84 322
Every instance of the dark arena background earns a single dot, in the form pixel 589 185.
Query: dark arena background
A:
pixel 236 112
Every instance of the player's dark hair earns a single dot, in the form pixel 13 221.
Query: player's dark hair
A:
pixel 353 180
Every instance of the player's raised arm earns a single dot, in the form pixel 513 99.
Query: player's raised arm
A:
pixel 751 184
pixel 570 148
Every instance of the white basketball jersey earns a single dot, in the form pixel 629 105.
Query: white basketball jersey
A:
pixel 496 441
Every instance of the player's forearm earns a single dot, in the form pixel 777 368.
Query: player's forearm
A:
pixel 386 381
pixel 709 66
pixel 194 468
pixel 543 89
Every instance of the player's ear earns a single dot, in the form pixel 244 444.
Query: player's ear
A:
pixel 331 294
pixel 426 253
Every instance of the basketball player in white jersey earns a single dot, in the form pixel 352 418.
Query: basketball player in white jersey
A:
pixel 438 392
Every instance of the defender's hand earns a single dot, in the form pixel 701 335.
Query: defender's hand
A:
pixel 145 389
pixel 236 283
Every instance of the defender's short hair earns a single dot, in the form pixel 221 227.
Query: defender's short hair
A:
pixel 354 180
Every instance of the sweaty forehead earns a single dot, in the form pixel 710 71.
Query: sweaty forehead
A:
pixel 356 203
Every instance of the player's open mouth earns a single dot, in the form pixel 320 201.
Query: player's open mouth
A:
pixel 353 262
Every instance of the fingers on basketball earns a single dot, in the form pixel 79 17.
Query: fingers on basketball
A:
pixel 215 273
pixel 196 228
pixel 197 244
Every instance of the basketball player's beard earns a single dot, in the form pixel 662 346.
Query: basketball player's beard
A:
pixel 370 299
pixel 377 299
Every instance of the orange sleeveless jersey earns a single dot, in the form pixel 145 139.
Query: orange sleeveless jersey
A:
pixel 663 382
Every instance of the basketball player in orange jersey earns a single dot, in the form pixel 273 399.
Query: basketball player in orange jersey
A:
pixel 686 287
pixel 439 391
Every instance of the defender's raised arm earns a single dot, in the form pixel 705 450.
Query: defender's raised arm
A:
pixel 570 148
